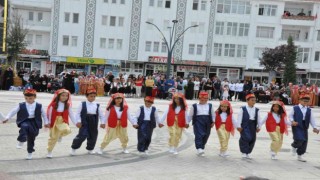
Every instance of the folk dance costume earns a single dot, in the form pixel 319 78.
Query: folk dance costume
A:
pixel 303 116
pixel 248 119
pixel 147 118
pixel 114 87
pixel 276 126
pixel 202 116
pixel 176 121
pixel 117 118
pixel 88 114
pixel 29 120
pixel 58 117
pixel 225 126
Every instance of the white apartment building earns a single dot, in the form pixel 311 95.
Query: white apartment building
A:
pixel 36 17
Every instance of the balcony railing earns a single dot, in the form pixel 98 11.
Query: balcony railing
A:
pixel 304 18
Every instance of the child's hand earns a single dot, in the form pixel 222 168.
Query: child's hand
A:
pixel 78 125
pixel 212 124
pixel 160 125
pixel 294 123
pixel 102 126
pixel 5 121
pixel 239 129
pixel 258 130
pixel 136 126
pixel 47 125
pixel 187 126
pixel 315 130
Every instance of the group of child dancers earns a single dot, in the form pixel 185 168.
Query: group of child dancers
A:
pixel 203 115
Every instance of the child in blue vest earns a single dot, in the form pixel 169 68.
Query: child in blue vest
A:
pixel 147 118
pixel 29 120
pixel 247 125
pixel 203 117
pixel 88 114
pixel 300 117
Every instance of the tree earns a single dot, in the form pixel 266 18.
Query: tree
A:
pixel 290 62
pixel 16 35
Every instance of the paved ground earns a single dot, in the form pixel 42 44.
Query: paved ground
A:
pixel 160 164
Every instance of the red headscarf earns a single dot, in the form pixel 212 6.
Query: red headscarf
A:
pixel 179 95
pixel 225 102
pixel 115 96
pixel 53 101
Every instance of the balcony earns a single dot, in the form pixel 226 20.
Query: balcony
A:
pixel 303 18
pixel 298 20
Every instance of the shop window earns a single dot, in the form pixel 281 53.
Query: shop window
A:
pixel 125 67
pixel 138 68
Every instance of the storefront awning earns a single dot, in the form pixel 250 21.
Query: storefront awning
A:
pixel 58 59
pixel 86 60
pixel 298 71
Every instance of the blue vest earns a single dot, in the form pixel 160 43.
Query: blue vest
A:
pixel 83 112
pixel 152 116
pixel 23 114
pixel 195 112
pixel 298 117
pixel 246 117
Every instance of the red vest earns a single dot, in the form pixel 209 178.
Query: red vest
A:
pixel 54 114
pixel 181 117
pixel 271 124
pixel 113 119
pixel 228 123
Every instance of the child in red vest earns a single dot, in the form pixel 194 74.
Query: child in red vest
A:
pixel 58 112
pixel 276 124
pixel 224 125
pixel 117 116
pixel 176 115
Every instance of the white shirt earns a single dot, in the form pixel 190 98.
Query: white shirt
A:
pixel 176 110
pixel 304 111
pixel 147 114
pixel 119 114
pixel 239 87
pixel 275 116
pixel 196 85
pixel 232 87
pixel 224 116
pixel 31 110
pixel 91 109
pixel 202 109
pixel 61 109
pixel 251 112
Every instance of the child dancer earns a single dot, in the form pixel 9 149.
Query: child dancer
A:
pixel 29 120
pixel 247 125
pixel 176 115
pixel 202 116
pixel 117 116
pixel 224 125
pixel 88 114
pixel 276 124
pixel 225 94
pixel 300 117
pixel 58 112
pixel 147 117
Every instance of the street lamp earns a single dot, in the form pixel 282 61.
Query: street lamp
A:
pixel 171 44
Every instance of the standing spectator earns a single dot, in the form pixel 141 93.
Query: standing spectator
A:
pixel 161 87
pixel 196 88
pixel 217 86
pixel 180 85
pixel 225 94
pixel 190 89
pixel 169 83
pixel 139 83
pixel 208 87
pixel 111 76
pixel 232 89
pixel 8 78
pixel 76 85
pixel 149 86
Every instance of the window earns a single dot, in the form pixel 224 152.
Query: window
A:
pixel 265 32
pixel 156 46
pixel 232 28
pixel 65 41
pixel 151 2
pixel 203 5
pixel 229 50
pixel 122 2
pixel 317 56
pixel 75 18
pixel 29 39
pixel 293 33
pixel 74 41
pixel 30 16
pixel 195 4
pixel 111 43
pixel 243 29
pixel 217 49
pixel 199 49
pixel 125 67
pixel 241 51
pixel 258 52
pixel 112 21
pixel 148 46
pixel 191 48
pixel 160 3
pixel 103 42
pixel 114 1
pixel 40 16
pixel 267 10
pixel 119 44
pixel 167 4
pixel 201 27
pixel 66 17
pixel 104 20
pixel 121 21
pixel 106 1
pixel 234 6
pixel 163 47
pixel 219 28
pixel 318 36
pixel 303 55
pixel 138 68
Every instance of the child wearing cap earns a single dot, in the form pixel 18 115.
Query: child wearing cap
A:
pixel 29 119
pixel 176 116
pixel 117 115
pixel 247 125
pixel 88 114
pixel 202 116
pixel 300 117
pixel 147 118
pixel 276 124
